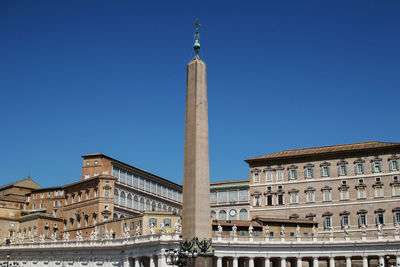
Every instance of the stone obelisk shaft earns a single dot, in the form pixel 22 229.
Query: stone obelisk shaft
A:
pixel 196 174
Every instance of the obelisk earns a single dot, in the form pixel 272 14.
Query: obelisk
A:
pixel 196 221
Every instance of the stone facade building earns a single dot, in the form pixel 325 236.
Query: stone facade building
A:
pixel 343 186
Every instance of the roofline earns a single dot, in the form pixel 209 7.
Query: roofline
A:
pixel 130 166
pixel 11 184
pixel 260 158
pixel 230 182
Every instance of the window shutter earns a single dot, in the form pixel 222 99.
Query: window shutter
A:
pixel 312 172
pixel 362 167
pixel 328 170
pixel 295 174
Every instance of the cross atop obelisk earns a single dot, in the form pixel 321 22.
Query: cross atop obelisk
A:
pixel 197 37
pixel 196 217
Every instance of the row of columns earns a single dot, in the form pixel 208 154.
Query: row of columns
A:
pixel 299 261
pixel 159 261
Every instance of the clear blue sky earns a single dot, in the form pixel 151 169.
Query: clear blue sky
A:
pixel 81 77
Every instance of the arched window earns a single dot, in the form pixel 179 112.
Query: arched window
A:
pixel 135 203
pixel 213 215
pixel 115 217
pixel 153 206
pixel 222 215
pixel 122 217
pixel 159 207
pixel 164 208
pixel 147 205
pixel 169 209
pixel 129 201
pixel 141 204
pixel 174 211
pixel 122 199
pixel 116 196
pixel 243 214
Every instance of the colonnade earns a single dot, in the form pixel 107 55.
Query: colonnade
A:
pixel 314 261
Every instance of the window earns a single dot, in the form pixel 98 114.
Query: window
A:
pixel 309 172
pixel 326 195
pixel 243 195
pixel 213 215
pixel 378 191
pixel 256 201
pixel 153 187
pixel 345 220
pixel 279 175
pixel 42 195
pixel 148 205
pixel 106 207
pixel 79 196
pixel 135 203
pixel 396 189
pixel 269 200
pixel 116 196
pixel 105 218
pixel 310 196
pixel 141 184
pixel 362 219
pixel 292 174
pixel 394 165
pixel 129 178
pixel 379 217
pixel 129 201
pixel 107 192
pixel 213 197
pixel 344 194
pixel 87 163
pixel 147 186
pixel 359 168
pixel 361 181
pixel 361 193
pixel 233 195
pixel 256 177
pixel 135 181
pixel 280 199
pixel 294 197
pixel 328 221
pixel 222 215
pixel 132 225
pixel 142 204
pixel 268 175
pixel 95 193
pixel 342 170
pixel 325 171
pixel 96 163
pixel 167 222
pixel 153 221
pixel 376 166
pixel 396 217
pixel 222 196
pixel 87 194
pixel 243 215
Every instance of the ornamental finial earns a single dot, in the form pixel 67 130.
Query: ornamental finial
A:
pixel 196 37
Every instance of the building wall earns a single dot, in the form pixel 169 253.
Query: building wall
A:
pixel 339 205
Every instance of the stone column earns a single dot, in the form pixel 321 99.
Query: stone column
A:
pixel 152 263
pixel 365 261
pixel 235 262
pixel 267 262
pixel 397 260
pixel 161 260
pixel 299 262
pixel 251 262
pixel 348 261
pixel 283 262
pixel 315 262
pixel 219 261
pixel 381 261
pixel 126 262
pixel 332 262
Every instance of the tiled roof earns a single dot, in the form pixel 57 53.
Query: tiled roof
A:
pixel 325 150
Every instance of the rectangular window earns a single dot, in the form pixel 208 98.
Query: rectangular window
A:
pixel 163 191
pixel 379 218
pixel 325 171
pixel 396 217
pixel 378 192
pixel 141 183
pixel 292 174
pixel 327 222
pixel 345 220
pixel 326 195
pixel 153 221
pixel 95 193
pixel 310 196
pixel 147 185
pixel 396 190
pixel 344 194
pixel 169 193
pixel 342 170
pixel 280 199
pixel 279 175
pixel 359 168
pixel 309 173
pixel 269 200
pixel 268 176
pixel 361 193
pixel 376 166
pixel 122 176
pixel 115 172
pixel 294 197
pixel 394 165
pixel 158 189
pixel 222 197
pixel 257 201
pixel 243 195
pixel 233 196
pixel 135 181
pixel 167 222
pixel 256 177
pixel 362 219
pixel 153 187
pixel 213 197
pixel 129 178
